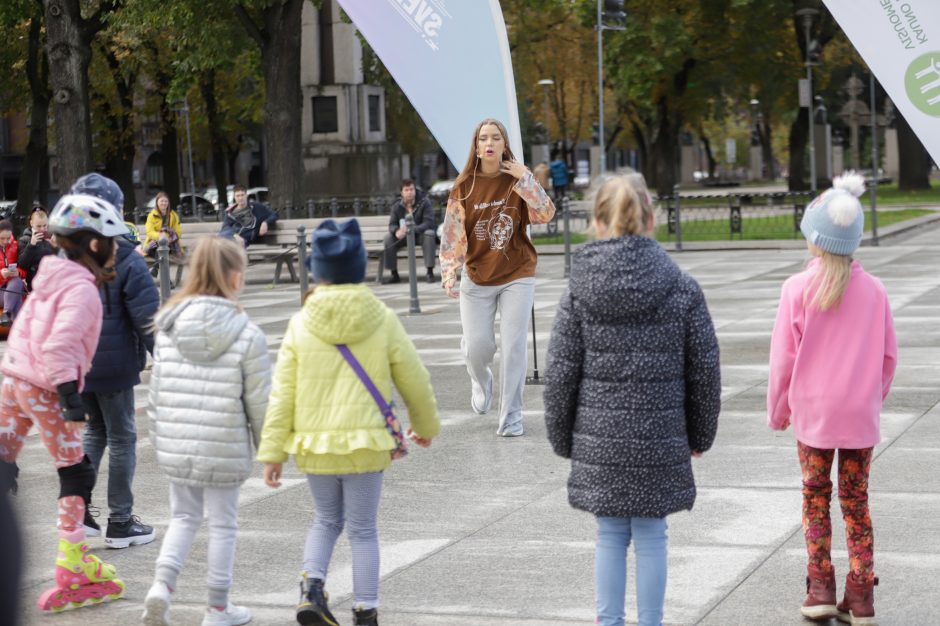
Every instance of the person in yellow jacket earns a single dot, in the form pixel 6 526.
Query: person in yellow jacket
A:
pixel 162 221
pixel 321 412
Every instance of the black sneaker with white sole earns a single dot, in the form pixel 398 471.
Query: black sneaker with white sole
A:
pixel 129 533
pixel 92 529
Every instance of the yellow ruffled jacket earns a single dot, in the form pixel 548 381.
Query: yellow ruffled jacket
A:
pixel 319 411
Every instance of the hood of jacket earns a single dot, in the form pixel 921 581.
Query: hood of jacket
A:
pixel 623 276
pixel 203 327
pixel 55 275
pixel 343 313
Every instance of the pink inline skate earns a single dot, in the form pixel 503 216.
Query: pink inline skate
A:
pixel 81 579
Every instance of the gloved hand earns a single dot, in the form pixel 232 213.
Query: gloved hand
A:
pixel 71 402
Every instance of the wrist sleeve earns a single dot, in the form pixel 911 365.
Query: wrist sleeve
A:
pixel 71 402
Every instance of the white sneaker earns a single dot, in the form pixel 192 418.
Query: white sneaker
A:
pixel 231 616
pixel 481 398
pixel 157 605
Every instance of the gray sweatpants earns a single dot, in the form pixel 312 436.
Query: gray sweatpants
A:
pixel 478 306
pixel 187 505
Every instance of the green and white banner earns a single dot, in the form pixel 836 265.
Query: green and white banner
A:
pixel 900 41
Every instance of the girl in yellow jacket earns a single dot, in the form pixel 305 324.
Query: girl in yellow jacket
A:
pixel 162 221
pixel 321 412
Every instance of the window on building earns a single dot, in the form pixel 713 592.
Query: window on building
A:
pixel 375 113
pixel 325 118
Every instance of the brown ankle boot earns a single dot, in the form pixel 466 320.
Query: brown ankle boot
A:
pixel 820 603
pixel 858 604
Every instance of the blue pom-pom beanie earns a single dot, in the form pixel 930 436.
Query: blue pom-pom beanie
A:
pixel 337 254
pixel 833 221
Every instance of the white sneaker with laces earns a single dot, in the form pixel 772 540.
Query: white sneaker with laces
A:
pixel 232 616
pixel 157 605
pixel 481 397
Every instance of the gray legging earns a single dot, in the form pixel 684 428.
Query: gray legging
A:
pixel 353 500
pixel 427 240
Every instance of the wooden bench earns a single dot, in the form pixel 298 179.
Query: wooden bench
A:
pixel 279 244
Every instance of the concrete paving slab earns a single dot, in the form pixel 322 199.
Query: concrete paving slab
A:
pixel 477 531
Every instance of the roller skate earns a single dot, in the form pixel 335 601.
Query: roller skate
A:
pixel 81 578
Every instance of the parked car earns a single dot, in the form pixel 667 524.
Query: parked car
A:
pixel 204 206
pixel 440 191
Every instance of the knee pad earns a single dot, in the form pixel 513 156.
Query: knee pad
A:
pixel 78 480
pixel 8 475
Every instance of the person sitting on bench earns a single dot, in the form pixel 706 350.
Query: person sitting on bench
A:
pixel 247 221
pixel 425 229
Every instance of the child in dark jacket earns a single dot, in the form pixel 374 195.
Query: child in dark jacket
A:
pixel 632 392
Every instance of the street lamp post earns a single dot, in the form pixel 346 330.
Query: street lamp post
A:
pixel 613 8
pixel 807 15
pixel 546 83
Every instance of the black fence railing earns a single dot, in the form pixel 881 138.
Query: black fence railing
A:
pixel 774 215
pixel 335 207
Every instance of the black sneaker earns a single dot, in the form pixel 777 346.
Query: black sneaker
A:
pixel 129 533
pixel 431 276
pixel 5 320
pixel 366 617
pixel 92 529
pixel 312 610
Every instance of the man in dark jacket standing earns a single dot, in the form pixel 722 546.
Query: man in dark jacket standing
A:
pixel 247 220
pixel 425 225
pixel 129 302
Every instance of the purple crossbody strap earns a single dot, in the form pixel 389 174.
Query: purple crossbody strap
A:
pixel 361 373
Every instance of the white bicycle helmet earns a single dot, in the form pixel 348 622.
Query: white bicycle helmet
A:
pixel 75 212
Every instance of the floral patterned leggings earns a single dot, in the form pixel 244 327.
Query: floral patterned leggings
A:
pixel 854 466
pixel 22 404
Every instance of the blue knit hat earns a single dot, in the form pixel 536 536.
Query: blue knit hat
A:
pixel 336 253
pixel 833 221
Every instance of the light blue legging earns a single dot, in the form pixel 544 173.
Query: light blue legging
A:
pixel 352 499
pixel 649 541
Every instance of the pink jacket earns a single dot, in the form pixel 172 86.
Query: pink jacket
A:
pixel 831 371
pixel 56 333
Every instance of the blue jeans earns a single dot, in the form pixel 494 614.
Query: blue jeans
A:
pixel 613 538
pixel 111 423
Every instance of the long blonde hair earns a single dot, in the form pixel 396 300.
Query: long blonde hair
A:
pixel 470 167
pixel 211 264
pixel 620 207
pixel 828 284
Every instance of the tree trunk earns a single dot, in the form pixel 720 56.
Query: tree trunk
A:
pixel 767 148
pixel 169 146
pixel 216 135
pixel 69 52
pixel 709 156
pixel 665 149
pixel 914 160
pixel 37 148
pixel 279 41
pixel 797 178
pixel 119 162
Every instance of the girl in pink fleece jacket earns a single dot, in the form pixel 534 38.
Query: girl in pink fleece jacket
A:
pixel 832 359
pixel 49 351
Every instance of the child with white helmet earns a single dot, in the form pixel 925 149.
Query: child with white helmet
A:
pixel 48 354
pixel 832 359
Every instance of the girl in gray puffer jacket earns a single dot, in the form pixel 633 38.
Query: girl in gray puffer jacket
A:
pixel 632 391
pixel 208 396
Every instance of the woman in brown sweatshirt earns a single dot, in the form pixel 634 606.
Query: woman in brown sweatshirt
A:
pixel 493 201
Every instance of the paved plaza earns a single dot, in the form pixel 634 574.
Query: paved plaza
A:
pixel 477 531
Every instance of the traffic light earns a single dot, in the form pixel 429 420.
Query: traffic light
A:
pixel 614 17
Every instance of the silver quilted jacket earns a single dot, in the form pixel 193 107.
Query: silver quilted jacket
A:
pixel 208 392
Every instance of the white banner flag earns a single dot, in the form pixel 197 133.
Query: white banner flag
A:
pixel 900 42
pixel 451 58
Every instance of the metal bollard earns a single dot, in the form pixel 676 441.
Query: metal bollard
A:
pixel 675 191
pixel 334 208
pixel 357 206
pixel 413 306
pixel 163 263
pixel 565 213
pixel 302 260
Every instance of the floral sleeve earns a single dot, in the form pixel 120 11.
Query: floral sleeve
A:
pixel 541 207
pixel 453 243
